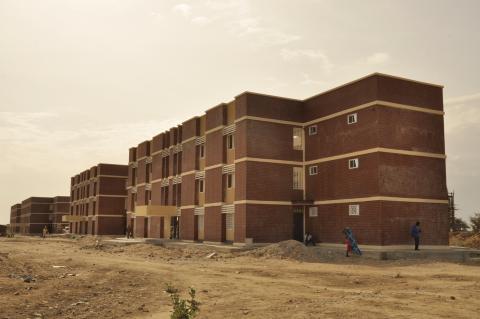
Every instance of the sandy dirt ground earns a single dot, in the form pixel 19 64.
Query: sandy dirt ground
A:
pixel 111 281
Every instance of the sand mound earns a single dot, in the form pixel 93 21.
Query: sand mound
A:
pixel 289 249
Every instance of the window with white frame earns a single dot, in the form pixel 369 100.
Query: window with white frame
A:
pixel 353 163
pixel 313 212
pixel 354 210
pixel 312 130
pixel 352 118
pixel 313 170
pixel 230 141
pixel 201 150
pixel 298 178
pixel 201 185
pixel 298 138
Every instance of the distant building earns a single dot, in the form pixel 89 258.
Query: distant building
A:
pixel 34 213
pixel 15 215
pixel 98 200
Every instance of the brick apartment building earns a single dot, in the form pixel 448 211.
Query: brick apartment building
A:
pixel 15 213
pixel 368 155
pixel 34 213
pixel 98 200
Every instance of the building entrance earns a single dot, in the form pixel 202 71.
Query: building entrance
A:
pixel 298 225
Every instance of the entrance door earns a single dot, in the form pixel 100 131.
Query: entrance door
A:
pixel 145 228
pixel 174 227
pixel 298 226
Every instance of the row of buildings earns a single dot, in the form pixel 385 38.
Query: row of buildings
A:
pixel 34 213
pixel 368 155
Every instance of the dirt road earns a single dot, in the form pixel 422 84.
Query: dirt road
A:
pixel 109 281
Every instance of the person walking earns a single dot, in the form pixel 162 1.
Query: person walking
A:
pixel 44 231
pixel 129 231
pixel 415 233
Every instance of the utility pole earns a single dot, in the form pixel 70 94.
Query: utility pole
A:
pixel 451 209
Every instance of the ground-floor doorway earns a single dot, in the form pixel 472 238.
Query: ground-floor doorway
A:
pixel 298 224
pixel 175 227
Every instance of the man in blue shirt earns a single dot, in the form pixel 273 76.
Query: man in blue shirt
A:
pixel 415 232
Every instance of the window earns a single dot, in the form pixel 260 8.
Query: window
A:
pixel 354 210
pixel 148 197
pixel 298 138
pixel 201 150
pixel 298 178
pixel 313 212
pixel 149 172
pixel 174 195
pixel 353 163
pixel 200 222
pixel 201 185
pixel 313 170
pixel 352 118
pixel 229 221
pixel 134 176
pixel 165 168
pixel 230 180
pixel 175 163
pixel 164 195
pixel 312 130
pixel 230 143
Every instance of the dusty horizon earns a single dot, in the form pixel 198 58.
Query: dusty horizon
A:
pixel 83 81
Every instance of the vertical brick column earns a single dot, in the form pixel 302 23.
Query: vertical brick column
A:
pixel 215 120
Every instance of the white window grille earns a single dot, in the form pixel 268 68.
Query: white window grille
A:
pixel 312 130
pixel 229 221
pixel 354 210
pixel 313 170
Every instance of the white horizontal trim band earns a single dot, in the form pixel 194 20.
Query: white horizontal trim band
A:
pixel 382 198
pixel 349 200
pixel 214 129
pixel 347 155
pixel 343 112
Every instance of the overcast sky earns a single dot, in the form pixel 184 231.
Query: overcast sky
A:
pixel 82 81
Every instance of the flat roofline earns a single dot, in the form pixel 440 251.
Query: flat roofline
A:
pixel 111 164
pixel 213 107
pixel 269 95
pixel 342 85
pixel 371 75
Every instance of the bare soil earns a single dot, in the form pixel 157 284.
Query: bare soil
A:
pixel 103 280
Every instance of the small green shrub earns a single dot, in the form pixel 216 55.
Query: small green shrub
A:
pixel 182 308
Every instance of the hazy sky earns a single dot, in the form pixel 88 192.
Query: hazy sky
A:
pixel 82 81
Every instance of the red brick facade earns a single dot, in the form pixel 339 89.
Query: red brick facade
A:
pixel 34 213
pixel 263 168
pixel 98 200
